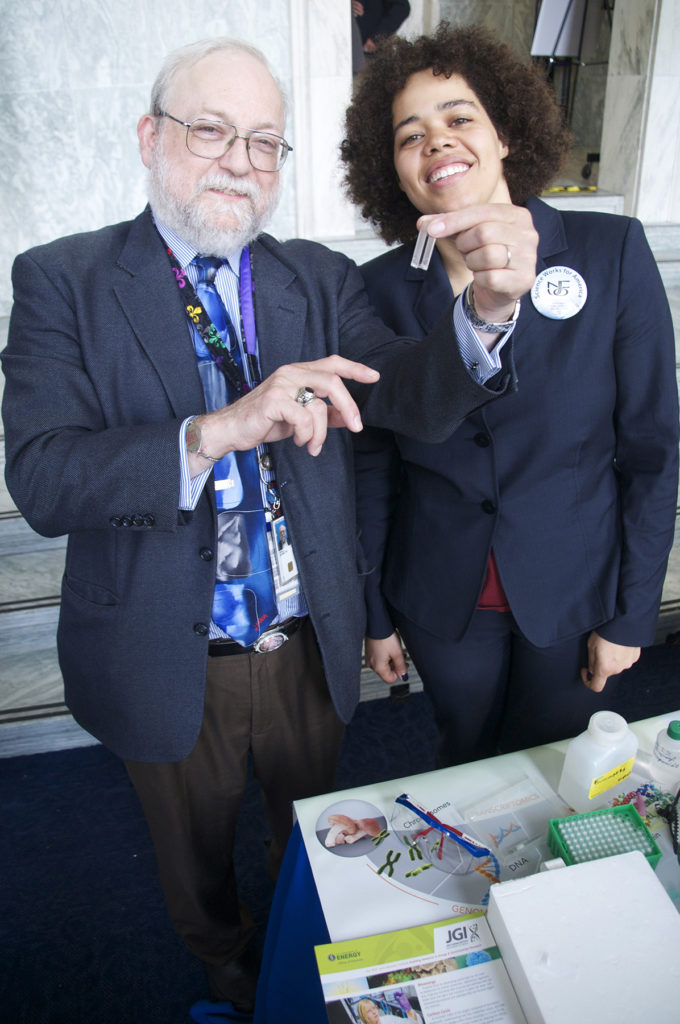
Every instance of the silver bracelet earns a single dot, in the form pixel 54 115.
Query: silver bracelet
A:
pixel 487 326
pixel 204 455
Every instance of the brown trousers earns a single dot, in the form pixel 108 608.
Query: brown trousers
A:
pixel 277 707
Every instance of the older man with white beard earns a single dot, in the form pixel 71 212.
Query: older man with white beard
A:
pixel 158 412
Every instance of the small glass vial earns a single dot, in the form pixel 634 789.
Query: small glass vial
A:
pixel 665 765
pixel 596 761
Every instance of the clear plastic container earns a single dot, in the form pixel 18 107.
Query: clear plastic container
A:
pixel 596 761
pixel 665 763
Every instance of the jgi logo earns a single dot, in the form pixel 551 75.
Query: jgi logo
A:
pixel 463 933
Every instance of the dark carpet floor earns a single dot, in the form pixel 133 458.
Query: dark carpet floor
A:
pixel 84 936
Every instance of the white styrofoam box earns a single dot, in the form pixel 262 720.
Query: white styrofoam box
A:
pixel 595 943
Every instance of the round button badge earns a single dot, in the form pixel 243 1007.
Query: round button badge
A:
pixel 559 292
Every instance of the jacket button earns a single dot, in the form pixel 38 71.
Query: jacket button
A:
pixel 201 628
pixel 206 554
pixel 137 520
pixel 115 521
pixel 488 507
pixel 126 521
pixel 482 440
pixel 149 519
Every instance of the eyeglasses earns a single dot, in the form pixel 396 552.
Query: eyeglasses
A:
pixel 468 843
pixel 211 140
pixel 461 857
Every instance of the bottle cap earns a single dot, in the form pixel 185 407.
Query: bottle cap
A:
pixel 607 727
pixel 674 730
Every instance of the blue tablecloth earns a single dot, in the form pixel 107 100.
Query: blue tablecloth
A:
pixel 289 989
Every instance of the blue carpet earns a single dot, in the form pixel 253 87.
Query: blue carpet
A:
pixel 84 935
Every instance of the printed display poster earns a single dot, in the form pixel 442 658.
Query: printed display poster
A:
pixel 450 972
pixel 377 865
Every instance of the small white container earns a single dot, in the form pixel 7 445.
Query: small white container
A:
pixel 597 760
pixel 665 764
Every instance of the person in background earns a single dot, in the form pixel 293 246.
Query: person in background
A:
pixel 170 385
pixel 378 19
pixel 521 560
pixel 358 56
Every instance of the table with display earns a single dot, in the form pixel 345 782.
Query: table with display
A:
pixel 315 905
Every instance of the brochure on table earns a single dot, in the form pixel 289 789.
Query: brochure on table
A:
pixel 445 972
pixel 377 866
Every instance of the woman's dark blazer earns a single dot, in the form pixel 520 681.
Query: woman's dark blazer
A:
pixel 572 480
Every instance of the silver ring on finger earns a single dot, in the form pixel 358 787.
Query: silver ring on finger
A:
pixel 508 260
pixel 304 396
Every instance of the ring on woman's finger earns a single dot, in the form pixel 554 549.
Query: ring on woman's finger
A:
pixel 304 396
pixel 507 262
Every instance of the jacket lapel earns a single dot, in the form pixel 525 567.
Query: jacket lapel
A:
pixel 550 226
pixel 433 292
pixel 280 312
pixel 152 303
pixel 552 241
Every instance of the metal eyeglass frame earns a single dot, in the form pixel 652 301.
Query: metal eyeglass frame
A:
pixel 284 147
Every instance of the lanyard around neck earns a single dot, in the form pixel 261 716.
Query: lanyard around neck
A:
pixel 245 298
pixel 208 332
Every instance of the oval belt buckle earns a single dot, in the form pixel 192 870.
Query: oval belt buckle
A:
pixel 270 642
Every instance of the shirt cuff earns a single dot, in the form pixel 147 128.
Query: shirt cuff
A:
pixel 481 364
pixel 190 488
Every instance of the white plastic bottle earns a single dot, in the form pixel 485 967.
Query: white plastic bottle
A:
pixel 665 766
pixel 596 760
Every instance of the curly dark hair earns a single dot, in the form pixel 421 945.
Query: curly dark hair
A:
pixel 517 99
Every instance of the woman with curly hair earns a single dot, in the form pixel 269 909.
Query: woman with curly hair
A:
pixel 524 556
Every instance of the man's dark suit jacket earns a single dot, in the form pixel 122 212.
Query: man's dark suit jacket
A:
pixel 100 372
pixel 572 479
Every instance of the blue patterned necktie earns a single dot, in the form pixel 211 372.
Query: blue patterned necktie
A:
pixel 244 603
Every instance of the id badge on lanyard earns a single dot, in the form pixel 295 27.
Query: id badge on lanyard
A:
pixel 286 575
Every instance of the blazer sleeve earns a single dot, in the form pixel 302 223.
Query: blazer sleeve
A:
pixel 74 460
pixel 646 457
pixel 425 390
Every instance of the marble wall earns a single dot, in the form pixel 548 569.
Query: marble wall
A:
pixel 424 17
pixel 321 85
pixel 513 21
pixel 641 136
pixel 75 76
